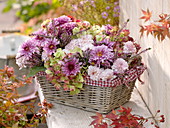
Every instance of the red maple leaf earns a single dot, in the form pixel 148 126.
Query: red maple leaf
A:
pixel 147 15
pixel 97 119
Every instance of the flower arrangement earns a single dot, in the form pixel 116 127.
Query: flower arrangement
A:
pixel 73 53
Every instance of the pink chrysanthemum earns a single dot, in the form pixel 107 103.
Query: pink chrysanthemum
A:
pixel 129 47
pixel 120 65
pixel 107 74
pixel 100 54
pixel 71 67
pixel 51 46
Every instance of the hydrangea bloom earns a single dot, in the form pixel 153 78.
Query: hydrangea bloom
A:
pixel 129 47
pixel 120 65
pixel 71 66
pixel 99 54
pixel 94 72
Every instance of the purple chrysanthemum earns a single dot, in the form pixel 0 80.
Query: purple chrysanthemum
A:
pixel 108 28
pixel 99 54
pixel 106 42
pixel 104 15
pixel 63 19
pixel 51 46
pixel 108 7
pixel 71 67
pixel 58 21
pixel 68 27
pixel 28 48
pixel 39 37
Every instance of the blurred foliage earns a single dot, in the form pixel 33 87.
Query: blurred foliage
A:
pixel 95 11
pixel 12 113
pixel 28 9
pixel 33 12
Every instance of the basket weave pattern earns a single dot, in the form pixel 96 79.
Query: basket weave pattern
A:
pixel 92 98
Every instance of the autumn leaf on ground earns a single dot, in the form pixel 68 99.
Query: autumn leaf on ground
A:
pixel 147 15
pixel 97 119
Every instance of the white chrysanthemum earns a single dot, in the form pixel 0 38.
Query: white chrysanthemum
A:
pixel 120 65
pixel 94 72
pixel 74 43
pixel 107 74
pixel 21 60
pixel 129 47
pixel 84 43
pixel 44 56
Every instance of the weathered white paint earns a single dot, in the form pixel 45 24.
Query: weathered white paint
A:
pixel 156 89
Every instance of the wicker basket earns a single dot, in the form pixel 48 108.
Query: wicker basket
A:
pixel 92 98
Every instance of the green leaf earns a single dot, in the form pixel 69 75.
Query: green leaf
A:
pixel 77 49
pixel 48 71
pixel 75 92
pixel 79 78
pixel 60 53
pixel 35 70
pixel 78 85
pixel 56 3
pixel 8 7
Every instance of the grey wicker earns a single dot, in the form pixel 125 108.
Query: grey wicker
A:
pixel 92 98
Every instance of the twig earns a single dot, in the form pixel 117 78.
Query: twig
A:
pixel 147 106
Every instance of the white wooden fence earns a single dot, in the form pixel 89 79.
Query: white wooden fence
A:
pixel 156 90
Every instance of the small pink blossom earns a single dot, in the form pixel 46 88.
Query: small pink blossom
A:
pixel 129 47
pixel 107 74
pixel 120 65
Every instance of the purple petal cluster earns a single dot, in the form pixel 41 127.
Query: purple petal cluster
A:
pixel 71 66
pixel 50 46
pixel 68 27
pixel 28 48
pixel 40 37
pixel 108 28
pixel 100 54
pixel 106 42
pixel 63 19
pixel 104 15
